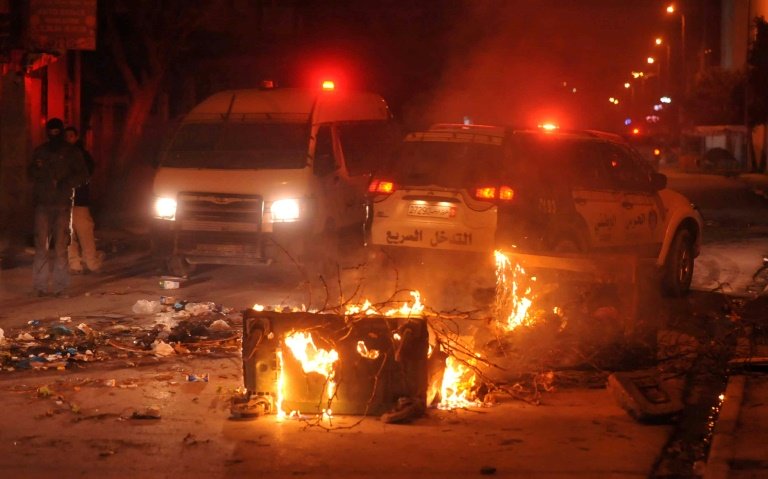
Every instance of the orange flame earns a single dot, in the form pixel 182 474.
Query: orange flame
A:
pixel 312 359
pixel 456 388
pixel 510 295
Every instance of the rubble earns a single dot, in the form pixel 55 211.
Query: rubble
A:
pixel 53 344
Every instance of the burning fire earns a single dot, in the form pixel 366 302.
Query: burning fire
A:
pixel 510 296
pixel 456 389
pixel 312 359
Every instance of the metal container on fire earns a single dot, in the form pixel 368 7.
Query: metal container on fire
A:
pixel 376 361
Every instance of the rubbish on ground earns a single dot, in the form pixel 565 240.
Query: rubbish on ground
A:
pixel 144 306
pixel 65 319
pixel 167 300
pixel 2 336
pixel 169 284
pixel 151 412
pixel 161 348
pixel 196 309
pixel 197 378
pixel 219 325
pixel 60 330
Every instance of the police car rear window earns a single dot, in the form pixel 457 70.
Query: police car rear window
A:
pixel 446 163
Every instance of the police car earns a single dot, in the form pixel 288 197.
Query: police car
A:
pixel 463 189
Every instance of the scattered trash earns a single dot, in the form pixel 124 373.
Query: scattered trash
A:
pixel 167 300
pixel 25 337
pixel 151 412
pixel 2 336
pixel 196 309
pixel 65 319
pixel 197 378
pixel 144 306
pixel 170 282
pixel 110 383
pixel 60 330
pixel 161 348
pixel 245 407
pixel 219 325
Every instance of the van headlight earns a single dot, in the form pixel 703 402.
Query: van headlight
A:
pixel 285 211
pixel 165 208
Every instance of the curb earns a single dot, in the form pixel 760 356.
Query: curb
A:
pixel 721 451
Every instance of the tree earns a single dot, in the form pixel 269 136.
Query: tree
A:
pixel 144 38
pixel 717 98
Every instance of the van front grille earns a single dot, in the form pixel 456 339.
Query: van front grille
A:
pixel 219 212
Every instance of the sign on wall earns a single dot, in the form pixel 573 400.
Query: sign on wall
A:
pixel 62 24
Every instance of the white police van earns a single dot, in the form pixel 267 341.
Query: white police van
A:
pixel 270 174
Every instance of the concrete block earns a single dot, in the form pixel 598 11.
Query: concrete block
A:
pixel 644 396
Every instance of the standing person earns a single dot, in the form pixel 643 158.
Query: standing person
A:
pixel 82 248
pixel 55 170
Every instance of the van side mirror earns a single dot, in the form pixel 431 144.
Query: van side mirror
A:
pixel 658 181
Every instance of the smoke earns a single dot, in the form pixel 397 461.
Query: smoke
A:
pixel 520 63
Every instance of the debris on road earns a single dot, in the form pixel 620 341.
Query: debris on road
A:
pixel 183 328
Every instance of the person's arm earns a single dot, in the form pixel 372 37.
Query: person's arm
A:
pixel 78 171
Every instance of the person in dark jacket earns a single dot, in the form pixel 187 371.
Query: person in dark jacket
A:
pixel 82 248
pixel 55 170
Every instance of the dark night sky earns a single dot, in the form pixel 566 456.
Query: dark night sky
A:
pixel 492 60
pixel 519 52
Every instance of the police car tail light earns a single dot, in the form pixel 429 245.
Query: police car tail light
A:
pixel 381 187
pixel 486 193
pixel 503 193
pixel 506 193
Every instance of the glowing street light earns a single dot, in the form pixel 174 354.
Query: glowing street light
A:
pixel 651 60
pixel 627 85
pixel 658 41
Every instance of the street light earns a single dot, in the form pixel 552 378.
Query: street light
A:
pixel 671 9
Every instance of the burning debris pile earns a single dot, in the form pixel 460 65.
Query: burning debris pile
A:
pixel 183 328
pixel 398 357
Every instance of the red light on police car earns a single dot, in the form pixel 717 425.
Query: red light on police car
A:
pixel 506 193
pixel 329 85
pixel 485 193
pixel 382 187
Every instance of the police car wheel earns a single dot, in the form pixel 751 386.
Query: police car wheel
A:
pixel 678 268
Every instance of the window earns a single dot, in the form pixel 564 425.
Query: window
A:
pixel 325 162
pixel 623 170
pixel 230 145
pixel 450 164
pixel 367 145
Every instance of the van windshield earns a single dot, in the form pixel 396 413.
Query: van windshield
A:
pixel 239 146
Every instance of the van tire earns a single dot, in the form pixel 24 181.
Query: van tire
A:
pixel 678 266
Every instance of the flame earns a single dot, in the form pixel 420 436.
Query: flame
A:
pixel 363 351
pixel 456 388
pixel 404 311
pixel 407 311
pixel 280 386
pixel 312 359
pixel 510 295
pixel 365 308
